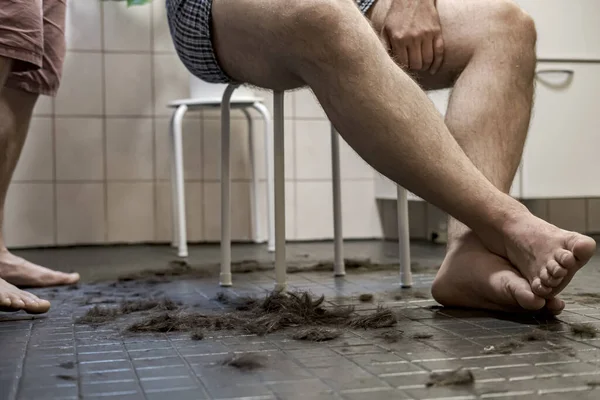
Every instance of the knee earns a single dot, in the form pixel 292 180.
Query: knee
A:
pixel 323 27
pixel 512 22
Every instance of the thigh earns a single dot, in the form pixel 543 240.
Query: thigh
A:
pixel 465 26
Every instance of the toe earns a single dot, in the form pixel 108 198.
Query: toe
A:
pixel 521 292
pixel 548 277
pixel 40 306
pixel 582 247
pixel 62 278
pixel 5 301
pixel 555 270
pixel 555 305
pixel 16 302
pixel 539 288
pixel 566 259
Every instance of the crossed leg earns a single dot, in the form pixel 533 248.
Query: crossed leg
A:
pixel 383 114
pixel 489 119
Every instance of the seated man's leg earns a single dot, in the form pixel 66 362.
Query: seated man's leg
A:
pixel 36 68
pixel 490 60
pixel 11 298
pixel 383 114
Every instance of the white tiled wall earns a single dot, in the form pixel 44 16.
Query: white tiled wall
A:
pixel 95 167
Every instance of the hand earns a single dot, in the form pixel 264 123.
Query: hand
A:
pixel 414 34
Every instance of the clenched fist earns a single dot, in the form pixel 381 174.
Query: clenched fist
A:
pixel 414 34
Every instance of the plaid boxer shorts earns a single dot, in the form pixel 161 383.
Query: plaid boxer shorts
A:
pixel 190 26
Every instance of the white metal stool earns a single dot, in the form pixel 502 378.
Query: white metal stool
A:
pixel 278 152
pixel 205 95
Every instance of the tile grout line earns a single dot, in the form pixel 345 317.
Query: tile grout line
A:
pixel 104 125
pixel 201 385
pixel 19 372
pixel 153 96
pixel 54 172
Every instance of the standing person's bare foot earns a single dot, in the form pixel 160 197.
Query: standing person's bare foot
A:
pixel 547 256
pixel 23 273
pixel 472 277
pixel 14 299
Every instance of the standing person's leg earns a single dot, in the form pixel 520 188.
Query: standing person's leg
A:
pixel 38 52
pixel 490 60
pixel 381 112
pixel 11 298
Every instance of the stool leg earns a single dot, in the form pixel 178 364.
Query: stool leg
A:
pixel 174 199
pixel 404 238
pixel 269 157
pixel 254 187
pixel 179 181
pixel 339 268
pixel 279 178
pixel 225 276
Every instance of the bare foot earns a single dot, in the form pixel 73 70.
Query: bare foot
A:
pixel 22 273
pixel 547 256
pixel 14 299
pixel 472 277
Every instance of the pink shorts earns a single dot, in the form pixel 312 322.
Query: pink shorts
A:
pixel 32 34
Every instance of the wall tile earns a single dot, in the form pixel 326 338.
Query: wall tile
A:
pixel 130 212
pixel 81 217
pixel 36 162
pixel 162 36
pixel 44 107
pixel 240 156
pixel 314 210
pixel 307 106
pixel 171 82
pixel 129 148
pixel 569 214
pixel 128 80
pixel 79 149
pixel 126 28
pixel 313 149
pixel 360 215
pixel 194 198
pixel 80 92
pixel 192 148
pixel 289 146
pixel 29 215
pixel 83 25
pixel 290 211
pixel 352 166
pixel 593 212
pixel 240 207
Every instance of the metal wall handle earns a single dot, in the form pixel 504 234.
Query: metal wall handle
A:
pixel 556 71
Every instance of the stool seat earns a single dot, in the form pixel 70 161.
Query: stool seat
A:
pixel 244 101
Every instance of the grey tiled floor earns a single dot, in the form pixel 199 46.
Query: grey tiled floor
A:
pixel 51 357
